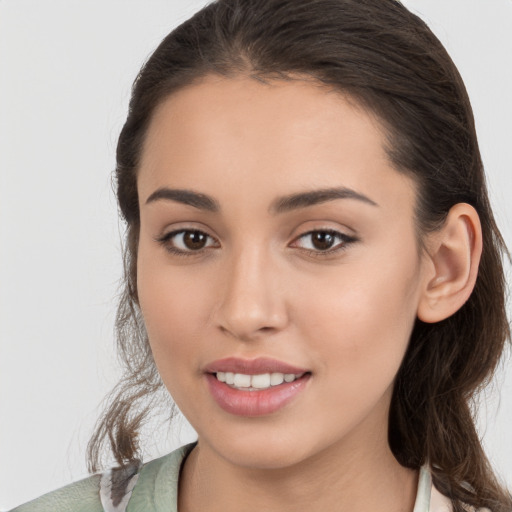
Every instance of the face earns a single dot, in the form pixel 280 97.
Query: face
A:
pixel 278 253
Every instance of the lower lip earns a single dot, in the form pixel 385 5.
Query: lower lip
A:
pixel 254 403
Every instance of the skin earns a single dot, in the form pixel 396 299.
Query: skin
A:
pixel 261 287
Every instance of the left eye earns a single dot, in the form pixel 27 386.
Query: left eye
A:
pixel 324 240
pixel 186 241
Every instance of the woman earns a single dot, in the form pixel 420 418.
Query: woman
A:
pixel 313 269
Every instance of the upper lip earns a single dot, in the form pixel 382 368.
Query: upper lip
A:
pixel 252 366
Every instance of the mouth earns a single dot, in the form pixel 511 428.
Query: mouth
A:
pixel 246 382
pixel 254 387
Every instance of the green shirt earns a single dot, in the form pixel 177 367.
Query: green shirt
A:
pixel 155 489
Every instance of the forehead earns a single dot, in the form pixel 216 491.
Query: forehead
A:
pixel 244 108
pixel 273 135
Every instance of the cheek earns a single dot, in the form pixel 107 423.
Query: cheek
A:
pixel 358 321
pixel 173 306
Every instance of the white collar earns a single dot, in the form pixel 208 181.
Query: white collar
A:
pixel 428 498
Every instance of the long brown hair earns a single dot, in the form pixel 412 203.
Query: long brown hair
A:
pixel 389 61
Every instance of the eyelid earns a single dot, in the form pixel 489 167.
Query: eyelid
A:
pixel 166 238
pixel 346 240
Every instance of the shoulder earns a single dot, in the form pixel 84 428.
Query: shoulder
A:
pixel 152 486
pixel 157 486
pixel 440 503
pixel 81 496
pixel 430 499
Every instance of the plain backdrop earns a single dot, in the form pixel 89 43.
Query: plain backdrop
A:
pixel 66 69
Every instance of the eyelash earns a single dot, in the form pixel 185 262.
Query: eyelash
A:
pixel 346 240
pixel 165 239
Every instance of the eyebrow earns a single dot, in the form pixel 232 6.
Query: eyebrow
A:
pixel 280 205
pixel 195 199
pixel 314 197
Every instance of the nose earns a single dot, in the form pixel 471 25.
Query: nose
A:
pixel 252 302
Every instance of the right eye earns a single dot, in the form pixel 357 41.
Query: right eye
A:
pixel 185 242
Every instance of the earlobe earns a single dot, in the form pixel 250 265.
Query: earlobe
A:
pixel 452 267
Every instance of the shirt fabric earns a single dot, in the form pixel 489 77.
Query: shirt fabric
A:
pixel 153 487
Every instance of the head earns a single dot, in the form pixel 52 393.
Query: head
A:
pixel 377 61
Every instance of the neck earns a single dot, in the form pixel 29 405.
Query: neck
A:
pixel 339 478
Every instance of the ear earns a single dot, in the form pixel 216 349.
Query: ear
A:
pixel 451 264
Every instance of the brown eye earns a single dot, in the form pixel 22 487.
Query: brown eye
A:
pixel 186 241
pixel 194 240
pixel 322 240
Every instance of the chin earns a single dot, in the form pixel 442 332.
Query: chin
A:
pixel 266 450
pixel 267 457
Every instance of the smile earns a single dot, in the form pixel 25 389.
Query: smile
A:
pixel 254 387
pixel 257 382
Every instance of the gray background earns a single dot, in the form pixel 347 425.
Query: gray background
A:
pixel 65 73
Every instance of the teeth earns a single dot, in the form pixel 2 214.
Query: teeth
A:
pixel 242 381
pixel 276 379
pixel 261 381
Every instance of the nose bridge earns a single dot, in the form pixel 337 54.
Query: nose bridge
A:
pixel 251 302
